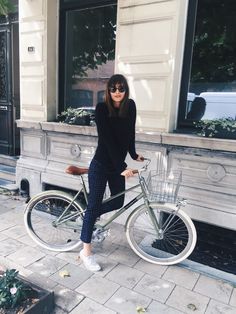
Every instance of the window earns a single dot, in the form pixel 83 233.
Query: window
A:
pixel 100 96
pixel 87 50
pixel 208 87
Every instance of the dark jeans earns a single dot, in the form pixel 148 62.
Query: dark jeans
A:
pixel 98 178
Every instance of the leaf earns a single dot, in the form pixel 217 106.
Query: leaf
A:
pixel 192 307
pixel 64 273
pixel 140 309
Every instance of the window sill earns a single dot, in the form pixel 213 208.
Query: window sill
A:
pixel 186 140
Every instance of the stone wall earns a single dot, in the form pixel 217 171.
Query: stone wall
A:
pixel 209 174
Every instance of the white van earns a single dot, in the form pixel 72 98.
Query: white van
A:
pixel 219 105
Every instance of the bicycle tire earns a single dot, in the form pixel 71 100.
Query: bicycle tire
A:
pixel 179 238
pixel 39 218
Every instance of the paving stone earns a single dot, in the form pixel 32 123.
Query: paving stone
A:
pixel 216 307
pixel 77 276
pixel 159 308
pixel 4 225
pixel 104 248
pixel 9 264
pixel 47 252
pixel 125 276
pixel 181 276
pixel 187 301
pixel 3 237
pixel 58 310
pixel 15 232
pixel 117 235
pixel 26 256
pixel 42 281
pixel 66 299
pixel 233 298
pixel 216 289
pixel 125 256
pixel 70 257
pixel 151 269
pixel 106 264
pixel 98 288
pixel 155 288
pixel 47 265
pixel 9 246
pixel 126 301
pixel 26 239
pixel 88 306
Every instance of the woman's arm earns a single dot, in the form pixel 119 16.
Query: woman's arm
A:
pixel 132 150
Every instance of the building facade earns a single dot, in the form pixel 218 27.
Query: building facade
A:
pixel 151 44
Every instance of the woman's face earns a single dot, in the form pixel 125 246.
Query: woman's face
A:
pixel 117 93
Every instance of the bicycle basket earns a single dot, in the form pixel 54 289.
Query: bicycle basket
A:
pixel 163 186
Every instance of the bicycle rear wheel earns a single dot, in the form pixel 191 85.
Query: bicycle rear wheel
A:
pixel 173 243
pixel 42 223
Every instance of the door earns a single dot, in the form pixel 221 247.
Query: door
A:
pixel 9 88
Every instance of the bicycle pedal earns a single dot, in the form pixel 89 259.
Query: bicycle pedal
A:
pixel 99 235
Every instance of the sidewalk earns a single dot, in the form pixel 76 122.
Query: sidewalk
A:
pixel 126 283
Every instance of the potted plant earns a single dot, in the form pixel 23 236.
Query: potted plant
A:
pixel 17 295
pixel 77 116
pixel 220 128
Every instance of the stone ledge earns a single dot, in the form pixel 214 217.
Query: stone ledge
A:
pixel 186 140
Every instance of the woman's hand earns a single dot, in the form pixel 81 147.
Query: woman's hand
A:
pixel 140 158
pixel 127 173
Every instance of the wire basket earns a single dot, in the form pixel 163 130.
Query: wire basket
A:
pixel 163 186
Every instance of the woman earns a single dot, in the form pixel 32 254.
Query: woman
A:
pixel 115 119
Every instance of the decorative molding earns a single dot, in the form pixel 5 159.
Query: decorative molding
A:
pixel 134 3
pixel 28 10
pixel 161 58
pixel 216 172
pixel 32 92
pixel 75 150
pixel 145 20
pixel 33 144
pixel 148 76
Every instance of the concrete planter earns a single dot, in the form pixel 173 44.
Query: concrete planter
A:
pixel 43 305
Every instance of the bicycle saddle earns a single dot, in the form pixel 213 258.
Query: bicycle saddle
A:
pixel 76 170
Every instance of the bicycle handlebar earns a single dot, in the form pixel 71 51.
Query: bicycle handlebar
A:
pixel 144 168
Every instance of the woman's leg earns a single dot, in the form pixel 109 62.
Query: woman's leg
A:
pixel 97 184
pixel 116 184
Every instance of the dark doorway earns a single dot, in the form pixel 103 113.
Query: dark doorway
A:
pixel 9 85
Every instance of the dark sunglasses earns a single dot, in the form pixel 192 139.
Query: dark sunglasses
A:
pixel 120 89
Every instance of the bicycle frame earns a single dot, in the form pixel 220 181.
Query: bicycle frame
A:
pixel 64 217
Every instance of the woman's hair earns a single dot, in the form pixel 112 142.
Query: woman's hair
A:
pixel 114 80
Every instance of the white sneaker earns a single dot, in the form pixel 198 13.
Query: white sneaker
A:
pixel 89 262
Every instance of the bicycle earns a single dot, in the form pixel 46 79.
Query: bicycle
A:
pixel 158 230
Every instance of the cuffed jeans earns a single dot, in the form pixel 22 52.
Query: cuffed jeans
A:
pixel 98 178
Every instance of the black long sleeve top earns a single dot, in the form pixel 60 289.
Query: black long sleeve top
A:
pixel 116 137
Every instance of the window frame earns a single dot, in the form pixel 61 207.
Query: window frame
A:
pixel 64 8
pixel 182 123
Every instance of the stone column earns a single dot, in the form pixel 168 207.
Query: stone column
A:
pixel 149 52
pixel 38 21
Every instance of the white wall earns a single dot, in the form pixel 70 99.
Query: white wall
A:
pixel 38 24
pixel 149 51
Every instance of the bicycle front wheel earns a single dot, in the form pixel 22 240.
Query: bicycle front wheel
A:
pixel 50 224
pixel 173 242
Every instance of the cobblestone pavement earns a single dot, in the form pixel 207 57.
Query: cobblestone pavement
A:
pixel 127 284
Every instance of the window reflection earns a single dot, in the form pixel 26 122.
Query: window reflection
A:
pixel 213 68
pixel 90 54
